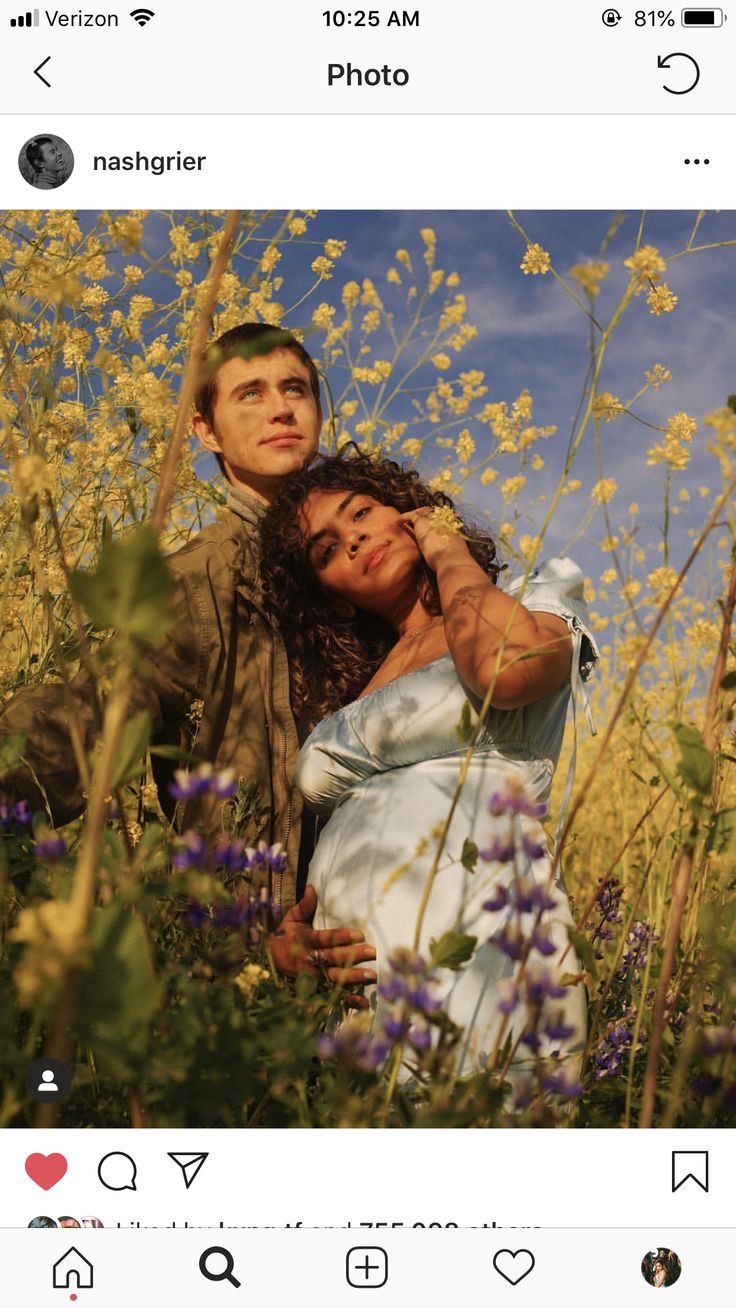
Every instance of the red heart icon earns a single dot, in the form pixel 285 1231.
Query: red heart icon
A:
pixel 46 1170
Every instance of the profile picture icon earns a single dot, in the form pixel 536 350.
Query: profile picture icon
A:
pixel 46 162
pixel 661 1267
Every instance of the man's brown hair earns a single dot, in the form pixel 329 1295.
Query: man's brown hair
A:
pixel 247 341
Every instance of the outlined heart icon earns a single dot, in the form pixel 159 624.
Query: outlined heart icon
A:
pixel 507 1266
pixel 46 1169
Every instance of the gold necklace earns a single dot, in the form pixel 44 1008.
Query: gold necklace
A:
pixel 419 631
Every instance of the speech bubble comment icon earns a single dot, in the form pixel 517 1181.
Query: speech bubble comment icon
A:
pixel 117 1171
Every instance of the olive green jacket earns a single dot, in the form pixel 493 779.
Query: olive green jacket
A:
pixel 222 659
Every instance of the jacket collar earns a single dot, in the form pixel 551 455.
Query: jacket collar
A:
pixel 246 507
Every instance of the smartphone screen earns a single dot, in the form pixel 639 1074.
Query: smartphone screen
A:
pixel 367 665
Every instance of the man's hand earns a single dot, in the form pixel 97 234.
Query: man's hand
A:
pixel 296 947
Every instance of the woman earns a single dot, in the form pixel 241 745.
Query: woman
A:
pixel 394 627
pixel 659 1274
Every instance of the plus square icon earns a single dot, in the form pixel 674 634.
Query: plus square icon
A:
pixel 367 1267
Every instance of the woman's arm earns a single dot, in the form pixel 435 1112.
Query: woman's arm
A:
pixel 477 614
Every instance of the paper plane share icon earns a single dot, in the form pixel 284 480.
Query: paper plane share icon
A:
pixel 190 1165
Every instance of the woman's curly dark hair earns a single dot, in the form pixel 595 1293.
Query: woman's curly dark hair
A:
pixel 334 651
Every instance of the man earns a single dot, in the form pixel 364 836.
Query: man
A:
pixel 47 161
pixel 259 411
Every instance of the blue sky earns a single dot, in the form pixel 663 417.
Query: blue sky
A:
pixel 532 335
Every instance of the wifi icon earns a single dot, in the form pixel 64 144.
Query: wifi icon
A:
pixel 142 16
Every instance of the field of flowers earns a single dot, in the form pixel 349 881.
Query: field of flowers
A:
pixel 121 951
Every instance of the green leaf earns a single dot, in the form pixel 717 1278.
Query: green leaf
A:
pixel 452 950
pixel 132 748
pixel 464 727
pixel 729 681
pixel 722 831
pixel 584 950
pixel 132 589
pixel 11 751
pixel 469 856
pixel 119 994
pixel 696 761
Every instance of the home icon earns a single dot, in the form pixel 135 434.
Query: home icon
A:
pixel 73 1271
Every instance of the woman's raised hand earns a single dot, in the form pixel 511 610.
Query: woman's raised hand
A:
pixel 434 540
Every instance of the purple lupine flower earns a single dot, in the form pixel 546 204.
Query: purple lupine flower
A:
pixel 230 856
pixel 419 1038
pixel 613 1046
pixel 195 914
pixel 499 851
pixel 392 990
pixel 641 937
pixel 10 813
pixel 50 846
pixel 203 781
pixel 532 848
pixel 539 984
pixel 513 799
pixel 418 997
pixel 510 995
pixel 499 899
pixel 531 1040
pixel 191 852
pixel 542 943
pixel 394 1028
pixel 607 905
pixel 718 1040
pixel 266 858
pixel 556 1028
pixel 352 1046
pixel 558 1083
pixel 705 1083
pixel 511 941
pixel 528 897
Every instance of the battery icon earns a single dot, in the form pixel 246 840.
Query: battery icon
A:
pixel 702 18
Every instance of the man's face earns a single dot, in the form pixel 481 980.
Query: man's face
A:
pixel 53 159
pixel 266 421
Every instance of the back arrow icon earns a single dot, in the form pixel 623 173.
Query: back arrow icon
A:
pixel 38 73
pixel 664 62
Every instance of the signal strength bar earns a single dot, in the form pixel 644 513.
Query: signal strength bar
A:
pixel 28 19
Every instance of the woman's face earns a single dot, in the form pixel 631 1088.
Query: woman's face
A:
pixel 359 548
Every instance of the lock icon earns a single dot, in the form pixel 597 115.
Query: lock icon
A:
pixel 611 17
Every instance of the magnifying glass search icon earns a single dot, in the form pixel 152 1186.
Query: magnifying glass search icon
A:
pixel 227 1272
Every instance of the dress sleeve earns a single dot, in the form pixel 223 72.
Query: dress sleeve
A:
pixel 556 586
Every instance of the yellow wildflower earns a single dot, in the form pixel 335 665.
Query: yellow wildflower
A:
pixel 488 475
pixel 323 315
pixel 590 275
pixel 607 406
pixel 297 227
pixel 333 248
pixel 441 362
pixel 322 267
pixel 512 486
pixel 394 276
pixel 680 427
pixel 658 374
pixel 646 265
pixel 445 520
pixel 412 447
pixel 536 260
pixel 350 294
pixel 31 475
pixel 465 446
pixel 250 978
pixel 604 490
pixel 271 257
pixel 661 299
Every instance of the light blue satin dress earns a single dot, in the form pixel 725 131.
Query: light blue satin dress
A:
pixel 384 770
